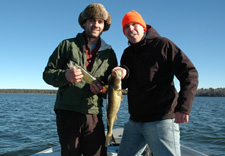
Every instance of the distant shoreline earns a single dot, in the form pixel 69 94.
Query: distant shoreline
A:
pixel 28 91
pixel 218 92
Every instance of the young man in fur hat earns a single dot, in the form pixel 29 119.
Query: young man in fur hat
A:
pixel 148 67
pixel 78 104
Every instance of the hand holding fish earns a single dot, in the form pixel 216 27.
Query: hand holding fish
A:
pixel 122 72
pixel 96 88
pixel 74 75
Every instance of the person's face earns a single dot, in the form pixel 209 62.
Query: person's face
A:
pixel 134 32
pixel 94 27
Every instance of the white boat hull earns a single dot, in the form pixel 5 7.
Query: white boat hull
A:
pixel 113 150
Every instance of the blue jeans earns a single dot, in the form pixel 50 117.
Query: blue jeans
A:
pixel 163 138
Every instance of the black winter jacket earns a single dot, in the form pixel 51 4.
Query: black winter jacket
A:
pixel 152 64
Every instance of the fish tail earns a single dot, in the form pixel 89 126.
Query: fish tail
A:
pixel 109 139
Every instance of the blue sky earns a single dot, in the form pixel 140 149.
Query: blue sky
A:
pixel 30 30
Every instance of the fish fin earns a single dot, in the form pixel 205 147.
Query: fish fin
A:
pixel 106 86
pixel 115 118
pixel 124 90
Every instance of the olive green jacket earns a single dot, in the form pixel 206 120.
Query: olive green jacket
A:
pixel 77 96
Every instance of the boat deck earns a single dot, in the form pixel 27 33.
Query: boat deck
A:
pixel 113 150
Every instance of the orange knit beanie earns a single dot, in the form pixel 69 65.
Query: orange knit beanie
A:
pixel 133 16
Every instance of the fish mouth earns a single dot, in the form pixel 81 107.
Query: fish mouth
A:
pixel 115 73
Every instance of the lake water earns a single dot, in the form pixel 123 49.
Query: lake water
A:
pixel 27 124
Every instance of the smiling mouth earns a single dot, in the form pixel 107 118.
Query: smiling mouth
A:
pixel 94 29
pixel 132 34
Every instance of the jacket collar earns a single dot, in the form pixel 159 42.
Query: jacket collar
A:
pixel 103 45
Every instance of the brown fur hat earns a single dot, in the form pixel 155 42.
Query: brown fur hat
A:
pixel 93 11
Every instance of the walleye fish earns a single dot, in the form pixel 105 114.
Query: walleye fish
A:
pixel 114 97
pixel 87 76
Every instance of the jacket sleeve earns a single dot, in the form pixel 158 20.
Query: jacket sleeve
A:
pixel 187 75
pixel 54 73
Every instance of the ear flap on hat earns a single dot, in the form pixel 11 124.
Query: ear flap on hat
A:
pixel 107 22
pixel 81 21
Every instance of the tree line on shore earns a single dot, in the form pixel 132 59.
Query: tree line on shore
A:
pixel 28 91
pixel 218 92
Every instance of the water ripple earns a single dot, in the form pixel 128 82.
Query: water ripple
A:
pixel 27 124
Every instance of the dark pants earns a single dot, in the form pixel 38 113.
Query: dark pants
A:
pixel 80 134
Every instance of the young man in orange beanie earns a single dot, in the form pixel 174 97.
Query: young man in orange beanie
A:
pixel 78 104
pixel 148 67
